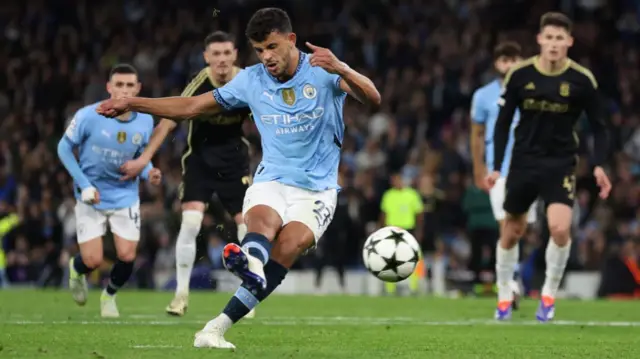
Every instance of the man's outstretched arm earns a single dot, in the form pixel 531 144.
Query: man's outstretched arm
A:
pixel 175 108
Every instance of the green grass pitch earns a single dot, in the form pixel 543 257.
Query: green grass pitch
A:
pixel 47 324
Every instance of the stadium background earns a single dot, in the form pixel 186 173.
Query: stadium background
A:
pixel 426 57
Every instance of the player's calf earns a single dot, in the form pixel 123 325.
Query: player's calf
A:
pixel 556 256
pixel 506 262
pixel 89 258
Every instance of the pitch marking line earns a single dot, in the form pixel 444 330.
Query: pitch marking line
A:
pixel 325 321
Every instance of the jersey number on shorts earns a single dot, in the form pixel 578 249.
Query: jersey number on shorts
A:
pixel 135 216
pixel 322 214
pixel 569 185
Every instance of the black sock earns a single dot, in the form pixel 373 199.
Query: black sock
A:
pixel 257 245
pixel 243 301
pixel 120 273
pixel 79 266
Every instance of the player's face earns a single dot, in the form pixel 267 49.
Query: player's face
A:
pixel 275 52
pixel 554 43
pixel 504 63
pixel 123 86
pixel 221 56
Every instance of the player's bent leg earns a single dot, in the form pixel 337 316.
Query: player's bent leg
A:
pixel 559 216
pixel 192 215
pixel 247 262
pixel 88 258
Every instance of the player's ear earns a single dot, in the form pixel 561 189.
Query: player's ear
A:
pixel 205 56
pixel 539 38
pixel 109 87
pixel 570 40
pixel 292 37
pixel 138 88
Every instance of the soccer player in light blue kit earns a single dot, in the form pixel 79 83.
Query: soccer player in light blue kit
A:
pixel 484 113
pixel 297 101
pixel 104 144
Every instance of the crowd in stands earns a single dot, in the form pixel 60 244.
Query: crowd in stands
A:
pixel 426 58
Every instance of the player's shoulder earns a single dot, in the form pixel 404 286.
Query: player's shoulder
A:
pixel 522 68
pixel 583 73
pixel 87 112
pixel 487 89
pixel 145 119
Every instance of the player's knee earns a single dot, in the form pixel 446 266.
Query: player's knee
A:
pixel 514 227
pixel 191 223
pixel 92 260
pixel 264 220
pixel 560 232
pixel 127 256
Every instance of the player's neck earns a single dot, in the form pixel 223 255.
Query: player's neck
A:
pixel 220 80
pixel 124 117
pixel 293 66
pixel 551 67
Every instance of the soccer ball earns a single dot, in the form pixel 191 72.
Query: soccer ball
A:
pixel 391 254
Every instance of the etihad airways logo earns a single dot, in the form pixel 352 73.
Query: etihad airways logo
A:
pixel 289 124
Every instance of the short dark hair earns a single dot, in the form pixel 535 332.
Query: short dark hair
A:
pixel 556 19
pixel 266 21
pixel 218 36
pixel 509 49
pixel 122 69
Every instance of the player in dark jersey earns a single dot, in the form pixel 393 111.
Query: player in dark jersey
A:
pixel 216 160
pixel 551 92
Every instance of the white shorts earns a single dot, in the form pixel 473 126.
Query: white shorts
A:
pixel 497 195
pixel 92 223
pixel 293 204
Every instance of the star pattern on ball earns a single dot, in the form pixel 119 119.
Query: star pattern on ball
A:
pixel 397 237
pixel 392 263
pixel 371 246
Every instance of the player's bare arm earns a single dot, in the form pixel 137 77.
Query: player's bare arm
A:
pixel 594 110
pixel 477 154
pixel 355 84
pixel 508 105
pixel 175 108
pixel 133 168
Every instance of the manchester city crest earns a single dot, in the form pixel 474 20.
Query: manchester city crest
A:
pixel 309 92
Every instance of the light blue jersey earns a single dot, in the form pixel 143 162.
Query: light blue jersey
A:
pixel 104 144
pixel 300 122
pixel 484 111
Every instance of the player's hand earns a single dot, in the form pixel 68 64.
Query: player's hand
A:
pixel 603 182
pixel 490 179
pixel 90 195
pixel 155 176
pixel 113 107
pixel 324 58
pixel 479 179
pixel 132 168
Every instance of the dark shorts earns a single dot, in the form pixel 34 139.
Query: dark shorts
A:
pixel 551 185
pixel 200 181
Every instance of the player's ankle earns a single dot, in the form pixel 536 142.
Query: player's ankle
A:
pixel 258 246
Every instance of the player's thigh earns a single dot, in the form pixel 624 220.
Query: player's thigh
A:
pixel 196 186
pixel 559 194
pixel 521 191
pixel 264 208
pixel 313 209
pixel 231 191
pixel 91 226
pixel 125 226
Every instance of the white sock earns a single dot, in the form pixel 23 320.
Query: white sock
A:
pixel 186 248
pixel 242 231
pixel 506 261
pixel 220 323
pixel 557 258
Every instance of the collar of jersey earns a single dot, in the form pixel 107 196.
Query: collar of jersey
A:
pixel 133 117
pixel 300 63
